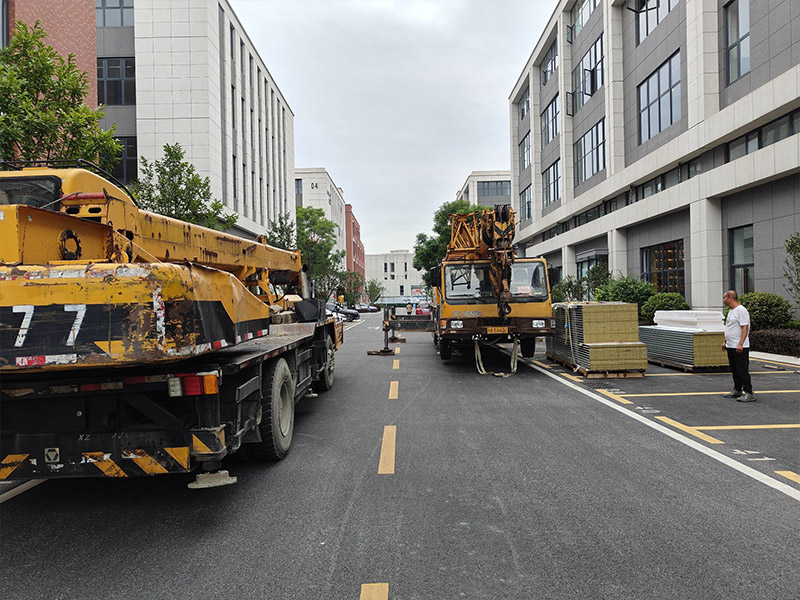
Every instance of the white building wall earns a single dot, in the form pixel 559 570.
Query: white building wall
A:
pixel 379 267
pixel 320 191
pixel 184 73
pixel 469 191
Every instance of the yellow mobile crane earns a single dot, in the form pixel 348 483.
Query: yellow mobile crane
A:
pixel 483 294
pixel 136 344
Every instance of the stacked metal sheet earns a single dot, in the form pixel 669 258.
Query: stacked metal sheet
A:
pixel 684 347
pixel 597 336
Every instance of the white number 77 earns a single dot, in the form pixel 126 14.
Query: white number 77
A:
pixel 76 325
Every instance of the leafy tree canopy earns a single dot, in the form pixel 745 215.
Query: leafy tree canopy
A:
pixel 353 284
pixel 282 233
pixel 43 115
pixel 172 187
pixel 374 290
pixel 429 250
pixel 316 239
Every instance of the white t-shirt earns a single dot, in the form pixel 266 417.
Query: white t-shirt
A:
pixel 737 318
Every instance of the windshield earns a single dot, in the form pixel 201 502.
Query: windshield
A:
pixel 470 283
pixel 40 192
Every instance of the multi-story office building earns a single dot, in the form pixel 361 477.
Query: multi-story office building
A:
pixel 354 246
pixel 315 188
pixel 186 71
pixel 486 188
pixel 69 25
pixel 665 142
pixel 396 273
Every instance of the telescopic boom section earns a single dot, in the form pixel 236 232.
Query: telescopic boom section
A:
pixel 482 235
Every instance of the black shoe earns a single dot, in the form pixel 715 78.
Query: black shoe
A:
pixel 751 397
pixel 733 394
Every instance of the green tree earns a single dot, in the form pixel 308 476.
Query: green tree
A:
pixel 791 268
pixel 282 233
pixel 374 290
pixel 172 187
pixel 596 276
pixel 316 239
pixel 429 250
pixel 43 115
pixel 353 284
pixel 568 289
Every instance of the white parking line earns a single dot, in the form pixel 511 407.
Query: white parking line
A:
pixel 20 489
pixel 744 469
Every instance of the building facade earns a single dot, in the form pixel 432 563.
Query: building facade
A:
pixel 664 142
pixel 314 188
pixel 187 72
pixel 486 188
pixel 354 246
pixel 396 273
pixel 69 25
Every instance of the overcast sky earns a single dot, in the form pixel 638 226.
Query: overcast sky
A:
pixel 398 100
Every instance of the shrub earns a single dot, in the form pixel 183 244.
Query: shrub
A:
pixel 776 341
pixel 663 301
pixel 767 311
pixel 626 289
pixel 793 325
pixel 568 289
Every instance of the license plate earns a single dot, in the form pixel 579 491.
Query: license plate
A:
pixel 497 330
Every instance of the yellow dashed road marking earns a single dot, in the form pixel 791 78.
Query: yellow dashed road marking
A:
pixel 396 364
pixel 374 591
pixel 789 475
pixel 394 390
pixel 386 463
pixel 731 427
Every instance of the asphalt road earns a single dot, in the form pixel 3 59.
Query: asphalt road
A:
pixel 526 487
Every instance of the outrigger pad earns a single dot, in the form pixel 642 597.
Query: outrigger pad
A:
pixel 310 311
pixel 211 480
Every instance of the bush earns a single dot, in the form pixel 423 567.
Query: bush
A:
pixel 793 325
pixel 776 341
pixel 626 289
pixel 663 301
pixel 568 289
pixel 767 311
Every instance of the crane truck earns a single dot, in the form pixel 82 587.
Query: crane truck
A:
pixel 135 344
pixel 483 294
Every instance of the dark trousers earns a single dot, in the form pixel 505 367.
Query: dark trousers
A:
pixel 740 368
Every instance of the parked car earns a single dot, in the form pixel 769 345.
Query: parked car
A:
pixel 423 308
pixel 363 308
pixel 347 313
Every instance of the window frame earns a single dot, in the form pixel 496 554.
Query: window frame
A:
pixel 127 163
pixel 525 104
pixel 525 152
pixel 125 83
pixel 550 62
pixel 657 276
pixel 672 95
pixel 549 121
pixel 526 203
pixel 590 150
pixel 737 44
pixel 125 11
pixel 747 268
pixel 552 183
pixel 588 77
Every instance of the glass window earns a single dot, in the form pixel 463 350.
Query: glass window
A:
pixel 663 265
pixel 652 15
pixel 41 192
pixel 528 281
pixel 590 153
pixel 524 104
pixel 127 168
pixel 580 14
pixel 493 188
pixel 742 261
pixel 660 99
pixel 525 152
pixel 737 35
pixel 551 183
pixel 776 131
pixel 113 13
pixel 587 77
pixel 550 127
pixel 550 62
pixel 525 203
pixel 116 81
pixel 468 284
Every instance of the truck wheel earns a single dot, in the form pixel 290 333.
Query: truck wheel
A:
pixel 277 410
pixel 528 347
pixel 445 350
pixel 325 381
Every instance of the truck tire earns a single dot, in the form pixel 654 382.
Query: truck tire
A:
pixel 277 412
pixel 325 381
pixel 528 347
pixel 445 350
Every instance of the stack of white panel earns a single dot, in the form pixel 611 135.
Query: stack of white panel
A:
pixel 705 320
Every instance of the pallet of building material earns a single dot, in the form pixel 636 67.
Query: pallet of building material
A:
pixel 610 374
pixel 597 337
pixel 684 348
pixel 707 320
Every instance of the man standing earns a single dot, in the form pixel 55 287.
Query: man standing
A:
pixel 737 345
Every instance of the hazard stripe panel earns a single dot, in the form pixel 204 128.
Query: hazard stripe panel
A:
pixel 145 462
pixel 11 462
pixel 106 465
pixel 181 455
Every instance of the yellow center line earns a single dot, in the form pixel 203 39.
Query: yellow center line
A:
pixel 759 392
pixel 397 350
pixel 394 390
pixel 732 427
pixel 386 463
pixel 616 397
pixel 690 430
pixel 789 475
pixel 396 364
pixel 374 591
